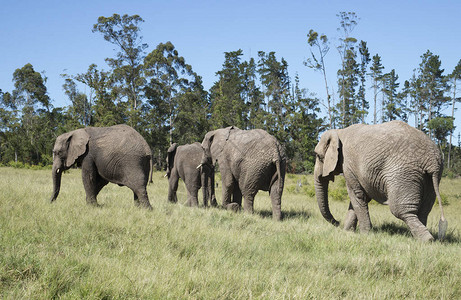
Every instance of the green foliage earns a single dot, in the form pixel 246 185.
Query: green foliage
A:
pixel 441 127
pixel 161 96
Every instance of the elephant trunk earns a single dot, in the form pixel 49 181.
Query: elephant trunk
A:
pixel 321 192
pixel 56 175
pixel 207 177
pixel 211 187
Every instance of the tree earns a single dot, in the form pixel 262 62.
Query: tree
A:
pixel 107 110
pixel 376 73
pixel 305 123
pixel 364 61
pixel 441 127
pixel 347 75
pixel 276 82
pixel 80 108
pixel 317 62
pixel 127 67
pixel 254 98
pixel 433 85
pixel 454 77
pixel 31 99
pixel 170 77
pixel 393 106
pixel 227 94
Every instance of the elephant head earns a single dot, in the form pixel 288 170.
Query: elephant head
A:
pixel 213 144
pixel 327 165
pixel 68 148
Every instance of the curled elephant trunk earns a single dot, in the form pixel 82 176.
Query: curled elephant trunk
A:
pixel 321 192
pixel 56 175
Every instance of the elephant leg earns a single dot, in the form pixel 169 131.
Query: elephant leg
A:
pixel 359 202
pixel 192 195
pixel 428 200
pixel 248 202
pixel 228 184
pixel 276 200
pixel 140 196
pixel 173 187
pixel 351 219
pixel 92 181
pixel 404 205
pixel 237 195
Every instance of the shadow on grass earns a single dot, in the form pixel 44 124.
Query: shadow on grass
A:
pixel 401 229
pixel 303 215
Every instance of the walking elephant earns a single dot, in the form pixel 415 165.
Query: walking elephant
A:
pixel 393 163
pixel 249 160
pixel 117 154
pixel 182 162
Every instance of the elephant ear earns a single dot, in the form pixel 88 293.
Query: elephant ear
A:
pixel 76 145
pixel 328 151
pixel 171 154
pixel 207 141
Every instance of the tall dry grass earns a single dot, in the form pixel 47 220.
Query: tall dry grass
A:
pixel 70 250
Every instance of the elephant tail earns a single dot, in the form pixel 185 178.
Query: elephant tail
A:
pixel 443 224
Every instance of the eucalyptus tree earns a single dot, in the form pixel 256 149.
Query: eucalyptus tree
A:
pixel 393 108
pixel 106 109
pixel 364 61
pixel 127 66
pixel 80 108
pixel 317 62
pixel 227 95
pixel 253 96
pixel 276 83
pixel 173 90
pixel 304 126
pixel 31 99
pixel 433 85
pixel 376 73
pixel 454 77
pixel 348 73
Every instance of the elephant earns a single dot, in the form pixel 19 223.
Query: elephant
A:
pixel 392 163
pixel 249 161
pixel 182 162
pixel 117 154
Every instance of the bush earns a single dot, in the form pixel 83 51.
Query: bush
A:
pixel 339 194
pixel 309 190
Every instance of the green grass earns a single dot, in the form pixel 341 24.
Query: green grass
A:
pixel 69 250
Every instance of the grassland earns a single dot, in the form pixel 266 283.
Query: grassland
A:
pixel 69 250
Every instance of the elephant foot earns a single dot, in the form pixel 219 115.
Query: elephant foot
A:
pixel 213 202
pixel 426 237
pixel 235 207
pixel 94 204
pixel 146 206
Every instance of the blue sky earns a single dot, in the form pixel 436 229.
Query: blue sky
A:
pixel 56 36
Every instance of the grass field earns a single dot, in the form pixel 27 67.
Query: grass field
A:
pixel 69 250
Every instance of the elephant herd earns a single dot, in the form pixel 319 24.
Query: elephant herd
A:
pixel 393 163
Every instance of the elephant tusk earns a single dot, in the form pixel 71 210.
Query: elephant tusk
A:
pixel 198 167
pixel 57 171
pixel 165 175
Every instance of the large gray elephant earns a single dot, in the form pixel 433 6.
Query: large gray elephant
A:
pixel 117 154
pixel 392 163
pixel 183 162
pixel 249 160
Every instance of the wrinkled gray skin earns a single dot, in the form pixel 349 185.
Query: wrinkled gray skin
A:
pixel 249 160
pixel 182 162
pixel 117 154
pixel 393 163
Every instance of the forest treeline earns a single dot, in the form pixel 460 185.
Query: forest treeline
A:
pixel 161 96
